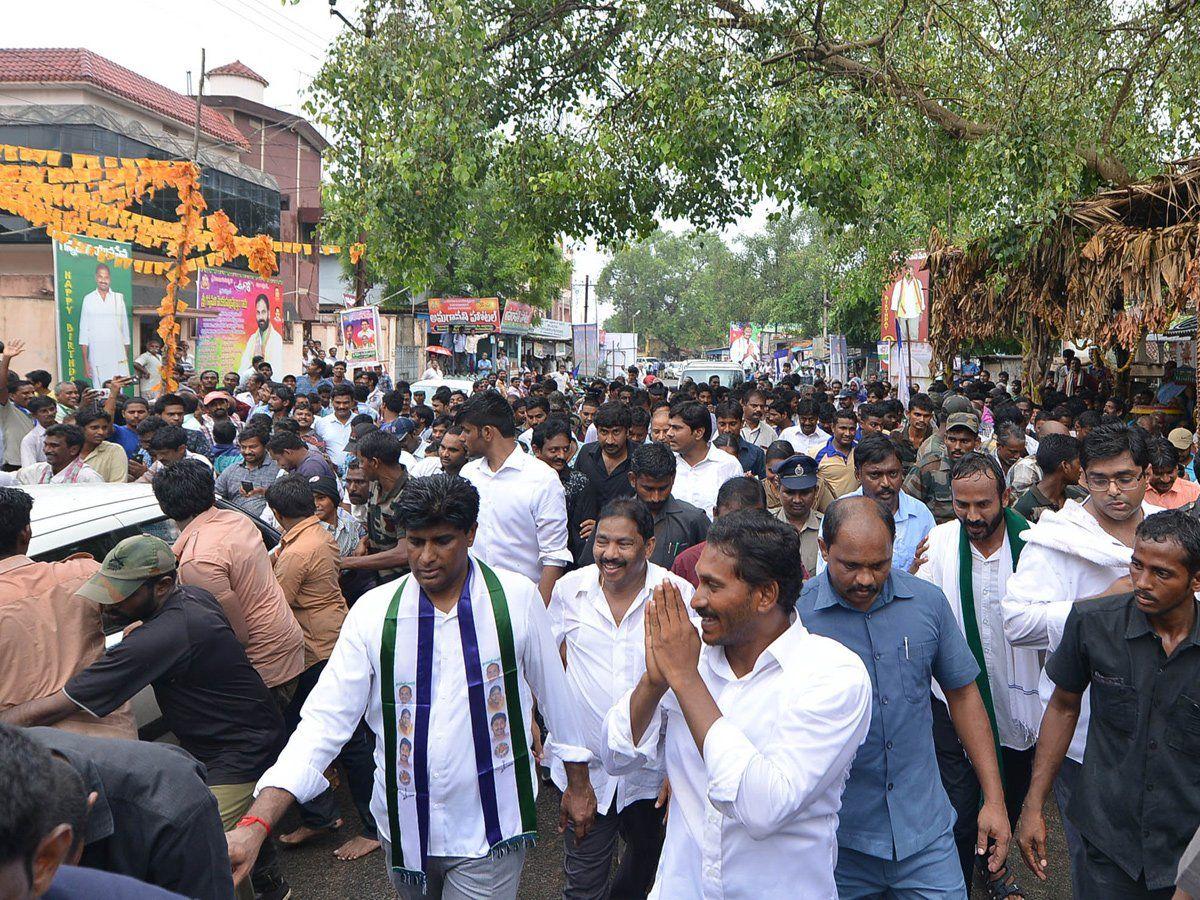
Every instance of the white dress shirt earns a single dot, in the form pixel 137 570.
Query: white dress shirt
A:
pixel 428 465
pixel 349 688
pixel 604 661
pixel 335 434
pixel 755 817
pixel 762 436
pixel 522 514
pixel 31 446
pixel 808 444
pixel 698 484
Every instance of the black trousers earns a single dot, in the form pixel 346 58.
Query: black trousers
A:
pixel 587 863
pixel 962 786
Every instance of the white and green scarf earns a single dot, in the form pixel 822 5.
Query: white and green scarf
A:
pixel 501 751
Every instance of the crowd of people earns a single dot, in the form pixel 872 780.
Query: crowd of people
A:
pixel 771 639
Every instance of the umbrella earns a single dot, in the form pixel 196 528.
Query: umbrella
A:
pixel 444 351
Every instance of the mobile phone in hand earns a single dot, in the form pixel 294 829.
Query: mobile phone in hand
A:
pixel 247 486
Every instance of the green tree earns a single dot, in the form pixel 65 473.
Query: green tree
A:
pixel 885 117
pixel 416 168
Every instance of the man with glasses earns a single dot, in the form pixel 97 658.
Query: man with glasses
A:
pixel 1079 552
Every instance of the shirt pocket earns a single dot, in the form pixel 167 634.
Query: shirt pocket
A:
pixel 1114 702
pixel 916 669
pixel 1183 729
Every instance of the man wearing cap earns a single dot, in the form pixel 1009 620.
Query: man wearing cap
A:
pixel 347 531
pixel 929 482
pixel 797 477
pixel 210 695
pixel 936 441
pixel 245 483
pixel 1184 441
pixel 219 406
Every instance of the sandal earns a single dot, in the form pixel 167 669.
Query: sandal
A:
pixel 999 885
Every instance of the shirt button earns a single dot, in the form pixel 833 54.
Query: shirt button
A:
pixel 1153 745
pixel 868 617
pixel 890 785
pixel 878 655
pixel 888 745
pixel 1150 787
pixel 883 700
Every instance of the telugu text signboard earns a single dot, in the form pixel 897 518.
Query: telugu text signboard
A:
pixel 248 321
pixel 480 315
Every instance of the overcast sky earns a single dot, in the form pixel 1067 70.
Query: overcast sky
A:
pixel 162 39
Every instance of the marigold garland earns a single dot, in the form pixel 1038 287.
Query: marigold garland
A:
pixel 92 196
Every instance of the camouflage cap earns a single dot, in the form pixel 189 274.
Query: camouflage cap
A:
pixel 958 404
pixel 126 567
pixel 970 421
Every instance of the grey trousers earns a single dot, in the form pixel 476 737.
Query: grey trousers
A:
pixel 463 877
pixel 588 863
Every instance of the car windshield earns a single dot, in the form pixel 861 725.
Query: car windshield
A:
pixel 700 375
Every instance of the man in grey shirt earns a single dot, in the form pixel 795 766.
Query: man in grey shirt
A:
pixel 245 484
pixel 154 818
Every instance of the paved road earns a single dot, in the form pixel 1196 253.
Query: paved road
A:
pixel 315 874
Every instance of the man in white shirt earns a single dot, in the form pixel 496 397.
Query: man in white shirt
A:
pixel 1009 680
pixel 104 330
pixel 701 467
pixel 807 437
pixel 1080 552
pixel 149 369
pixel 43 410
pixel 754 428
pixel 598 615
pixel 523 520
pixel 334 430
pixel 62 447
pixel 441 837
pixel 757 727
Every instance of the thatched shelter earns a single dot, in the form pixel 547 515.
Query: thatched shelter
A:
pixel 1111 268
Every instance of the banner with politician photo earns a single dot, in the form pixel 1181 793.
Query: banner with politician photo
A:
pixel 245 320
pixel 360 335
pixel 94 305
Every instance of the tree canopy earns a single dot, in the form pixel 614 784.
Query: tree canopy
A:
pixel 685 289
pixel 885 117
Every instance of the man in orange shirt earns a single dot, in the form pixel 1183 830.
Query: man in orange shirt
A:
pixel 306 564
pixel 222 551
pixel 47 634
pixel 1166 488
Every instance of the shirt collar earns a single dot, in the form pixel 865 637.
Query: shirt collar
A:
pixel 14 562
pixel 827 596
pixel 1139 625
pixel 299 528
pixel 780 652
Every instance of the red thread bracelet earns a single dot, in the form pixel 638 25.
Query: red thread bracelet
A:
pixel 254 820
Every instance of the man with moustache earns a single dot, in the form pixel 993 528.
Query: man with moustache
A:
pixel 878 468
pixel 552 444
pixel 1079 552
pixel 755 719
pixel 971 560
pixel 1138 798
pixel 606 462
pixel 895 832
pixel 929 481
pixel 598 616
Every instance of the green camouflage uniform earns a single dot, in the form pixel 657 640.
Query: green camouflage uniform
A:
pixel 929 482
pixel 384 530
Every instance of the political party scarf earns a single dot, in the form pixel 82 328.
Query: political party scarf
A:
pixel 1015 524
pixel 502 760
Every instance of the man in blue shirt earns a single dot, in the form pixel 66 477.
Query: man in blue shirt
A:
pixel 895 834
pixel 880 472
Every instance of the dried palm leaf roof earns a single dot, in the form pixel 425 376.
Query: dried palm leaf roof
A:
pixel 1111 268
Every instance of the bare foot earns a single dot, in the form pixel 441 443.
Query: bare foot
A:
pixel 356 848
pixel 304 833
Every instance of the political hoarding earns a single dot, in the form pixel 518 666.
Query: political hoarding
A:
pixel 478 315
pixel 359 328
pixel 94 306
pixel 586 349
pixel 905 310
pixel 745 343
pixel 248 321
pixel 517 319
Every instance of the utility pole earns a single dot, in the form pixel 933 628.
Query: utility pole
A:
pixel 360 267
pixel 586 286
pixel 199 98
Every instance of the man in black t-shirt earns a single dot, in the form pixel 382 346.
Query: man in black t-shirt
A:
pixel 210 695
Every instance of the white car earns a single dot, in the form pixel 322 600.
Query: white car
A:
pixel 430 385
pixel 700 370
pixel 93 518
